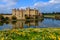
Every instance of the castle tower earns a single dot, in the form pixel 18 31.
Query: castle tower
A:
pixel 36 11
pixel 20 14
pixel 28 11
pixel 17 14
pixel 13 12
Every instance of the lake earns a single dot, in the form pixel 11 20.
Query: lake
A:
pixel 44 23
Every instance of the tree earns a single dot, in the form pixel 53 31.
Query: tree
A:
pixel 6 18
pixel 1 17
pixel 14 18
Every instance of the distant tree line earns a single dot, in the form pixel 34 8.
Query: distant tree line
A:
pixel 53 13
pixel 56 14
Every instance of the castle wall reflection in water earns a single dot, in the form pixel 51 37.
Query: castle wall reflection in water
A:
pixel 44 23
pixel 20 24
pixel 25 24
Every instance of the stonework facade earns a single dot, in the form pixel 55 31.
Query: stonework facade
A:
pixel 21 13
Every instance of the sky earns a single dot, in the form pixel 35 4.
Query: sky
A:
pixel 6 6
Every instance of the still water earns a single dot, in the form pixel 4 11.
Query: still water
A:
pixel 44 23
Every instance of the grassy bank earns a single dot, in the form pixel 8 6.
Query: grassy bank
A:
pixel 49 16
pixel 31 34
pixel 56 16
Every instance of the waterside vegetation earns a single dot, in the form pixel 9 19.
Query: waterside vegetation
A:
pixel 55 15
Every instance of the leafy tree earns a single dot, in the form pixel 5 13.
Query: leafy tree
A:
pixel 14 18
pixel 6 18
pixel 1 17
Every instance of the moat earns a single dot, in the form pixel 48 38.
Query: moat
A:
pixel 44 23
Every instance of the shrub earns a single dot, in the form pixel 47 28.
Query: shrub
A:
pixel 6 18
pixel 14 18
pixel 1 17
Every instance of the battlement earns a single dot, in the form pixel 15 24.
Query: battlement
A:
pixel 22 13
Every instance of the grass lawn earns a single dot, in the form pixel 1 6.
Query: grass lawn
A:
pixel 31 34
pixel 50 16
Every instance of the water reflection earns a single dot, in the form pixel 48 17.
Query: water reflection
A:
pixel 46 22
pixel 19 24
pixel 25 24
pixel 1 23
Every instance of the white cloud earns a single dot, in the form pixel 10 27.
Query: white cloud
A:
pixel 22 7
pixel 40 4
pixel 51 5
pixel 7 4
pixel 51 2
pixel 54 1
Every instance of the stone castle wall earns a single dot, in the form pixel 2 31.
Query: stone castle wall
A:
pixel 20 13
pixel 7 15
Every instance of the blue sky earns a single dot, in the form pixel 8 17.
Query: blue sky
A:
pixel 6 6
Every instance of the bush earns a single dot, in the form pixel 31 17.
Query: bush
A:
pixel 1 17
pixel 57 17
pixel 14 18
pixel 6 18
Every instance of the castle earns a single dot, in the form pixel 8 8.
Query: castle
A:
pixel 22 13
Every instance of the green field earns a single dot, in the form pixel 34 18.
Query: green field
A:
pixel 31 34
pixel 50 16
